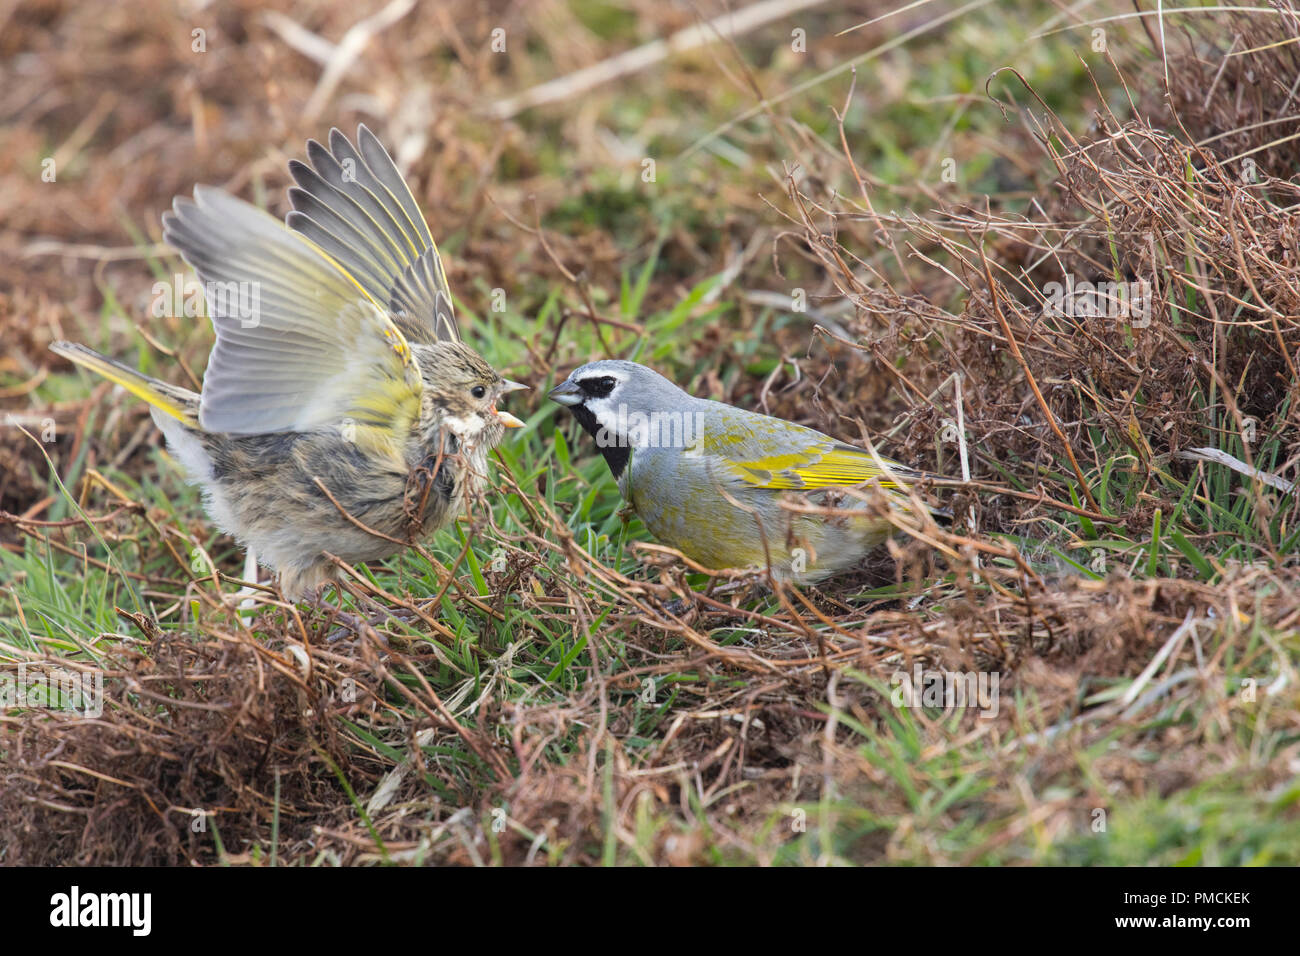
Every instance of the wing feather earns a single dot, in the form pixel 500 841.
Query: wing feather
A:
pixel 300 344
pixel 353 203
pixel 766 452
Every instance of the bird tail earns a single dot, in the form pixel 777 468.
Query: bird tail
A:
pixel 179 403
pixel 943 514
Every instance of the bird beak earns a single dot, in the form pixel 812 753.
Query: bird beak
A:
pixel 566 393
pixel 505 417
pixel 508 420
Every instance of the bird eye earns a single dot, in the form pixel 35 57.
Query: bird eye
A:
pixel 598 387
pixel 478 391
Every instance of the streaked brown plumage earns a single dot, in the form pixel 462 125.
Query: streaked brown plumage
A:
pixel 340 413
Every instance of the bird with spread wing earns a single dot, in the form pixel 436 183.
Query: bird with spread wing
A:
pixel 341 414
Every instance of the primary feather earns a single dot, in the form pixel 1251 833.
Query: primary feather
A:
pixel 353 203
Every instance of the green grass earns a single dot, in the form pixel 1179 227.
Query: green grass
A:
pixel 938 795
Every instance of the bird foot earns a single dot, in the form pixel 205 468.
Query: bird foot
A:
pixel 677 607
pixel 354 624
pixel 748 586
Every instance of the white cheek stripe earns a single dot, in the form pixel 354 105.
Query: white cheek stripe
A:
pixel 464 427
pixel 605 410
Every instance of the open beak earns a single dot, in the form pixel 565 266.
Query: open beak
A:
pixel 508 420
pixel 505 417
pixel 566 393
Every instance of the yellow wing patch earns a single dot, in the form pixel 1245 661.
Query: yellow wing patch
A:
pixel 840 465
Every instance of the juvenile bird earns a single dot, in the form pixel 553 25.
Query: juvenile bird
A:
pixel 340 411
pixel 730 488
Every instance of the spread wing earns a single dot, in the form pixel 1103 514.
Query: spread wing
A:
pixel 353 203
pixel 300 343
pixel 767 452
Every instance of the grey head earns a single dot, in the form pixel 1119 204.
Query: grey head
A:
pixel 624 406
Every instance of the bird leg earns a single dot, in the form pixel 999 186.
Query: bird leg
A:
pixel 250 574
pixel 350 623
pixel 355 624
pixel 678 606
pixel 747 585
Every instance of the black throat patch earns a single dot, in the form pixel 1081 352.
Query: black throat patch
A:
pixel 616 455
